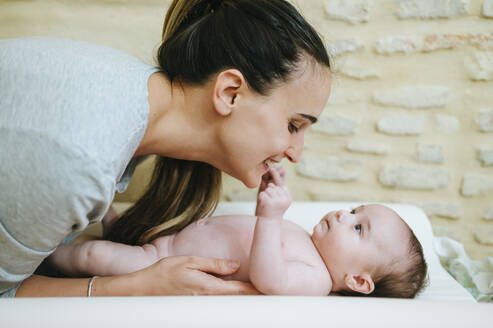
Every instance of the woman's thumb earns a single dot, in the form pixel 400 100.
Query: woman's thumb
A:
pixel 217 266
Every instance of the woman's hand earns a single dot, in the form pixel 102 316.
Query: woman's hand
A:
pixel 189 275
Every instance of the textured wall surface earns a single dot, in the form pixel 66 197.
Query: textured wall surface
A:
pixel 410 118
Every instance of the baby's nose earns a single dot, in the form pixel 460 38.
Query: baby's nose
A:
pixel 340 215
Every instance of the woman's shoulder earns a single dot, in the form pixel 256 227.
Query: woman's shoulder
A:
pixel 55 45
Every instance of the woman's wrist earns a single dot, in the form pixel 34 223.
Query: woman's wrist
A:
pixel 123 285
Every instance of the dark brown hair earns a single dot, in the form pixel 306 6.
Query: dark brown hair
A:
pixel 265 40
pixel 393 281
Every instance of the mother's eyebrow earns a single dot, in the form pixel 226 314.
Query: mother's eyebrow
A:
pixel 312 119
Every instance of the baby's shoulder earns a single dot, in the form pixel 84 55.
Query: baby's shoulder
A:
pixel 293 227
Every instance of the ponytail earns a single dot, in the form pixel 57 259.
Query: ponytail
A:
pixel 181 12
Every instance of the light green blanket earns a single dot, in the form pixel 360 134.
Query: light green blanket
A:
pixel 475 276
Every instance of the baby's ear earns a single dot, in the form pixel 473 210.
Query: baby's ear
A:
pixel 362 283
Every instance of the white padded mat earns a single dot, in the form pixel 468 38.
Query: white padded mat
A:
pixel 443 304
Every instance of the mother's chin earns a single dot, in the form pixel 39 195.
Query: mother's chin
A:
pixel 251 179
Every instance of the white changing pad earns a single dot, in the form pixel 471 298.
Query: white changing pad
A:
pixel 444 303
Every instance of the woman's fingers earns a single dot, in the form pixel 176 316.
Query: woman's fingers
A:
pixel 216 286
pixel 222 287
pixel 215 266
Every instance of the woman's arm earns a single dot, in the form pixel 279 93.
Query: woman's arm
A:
pixel 178 275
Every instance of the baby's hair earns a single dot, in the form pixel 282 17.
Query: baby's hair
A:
pixel 401 283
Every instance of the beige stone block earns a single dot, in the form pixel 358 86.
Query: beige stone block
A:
pixel 331 168
pixel 401 124
pixel 475 184
pixel 367 147
pixel 486 156
pixel 483 234
pixel 429 9
pixel 343 46
pixel 408 176
pixel 482 41
pixel 359 73
pixel 336 124
pixel 488 213
pixel 444 41
pixel 397 44
pixel 445 231
pixel 423 96
pixel 484 119
pixel 445 210
pixel 352 11
pixel 488 8
pixel 479 66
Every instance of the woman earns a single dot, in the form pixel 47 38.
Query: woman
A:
pixel 238 83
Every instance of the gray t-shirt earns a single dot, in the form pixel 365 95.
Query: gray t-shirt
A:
pixel 72 115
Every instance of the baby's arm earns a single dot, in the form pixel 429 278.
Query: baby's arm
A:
pixel 102 258
pixel 270 272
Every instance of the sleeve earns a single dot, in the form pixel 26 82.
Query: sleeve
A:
pixel 47 191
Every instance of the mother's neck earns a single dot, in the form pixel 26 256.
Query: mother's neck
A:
pixel 181 121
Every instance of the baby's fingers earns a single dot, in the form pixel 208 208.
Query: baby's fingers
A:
pixel 276 175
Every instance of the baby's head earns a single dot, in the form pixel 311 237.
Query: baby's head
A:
pixel 370 251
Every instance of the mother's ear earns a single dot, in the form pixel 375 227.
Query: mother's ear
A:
pixel 227 89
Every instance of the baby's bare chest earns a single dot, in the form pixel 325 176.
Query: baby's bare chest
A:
pixel 231 237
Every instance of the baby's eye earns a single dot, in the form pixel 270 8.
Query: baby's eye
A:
pixel 293 128
pixel 358 228
pixel 353 211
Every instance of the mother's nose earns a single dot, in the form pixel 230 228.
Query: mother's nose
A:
pixel 293 152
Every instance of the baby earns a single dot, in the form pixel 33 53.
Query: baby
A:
pixel 369 250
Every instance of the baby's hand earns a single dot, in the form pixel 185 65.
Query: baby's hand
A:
pixel 276 175
pixel 273 201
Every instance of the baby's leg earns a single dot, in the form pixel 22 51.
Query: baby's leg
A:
pixel 103 258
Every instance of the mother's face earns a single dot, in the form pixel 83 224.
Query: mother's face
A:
pixel 264 129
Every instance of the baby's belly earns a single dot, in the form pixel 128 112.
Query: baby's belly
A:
pixel 222 237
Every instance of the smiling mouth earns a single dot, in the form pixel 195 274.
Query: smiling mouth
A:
pixel 268 163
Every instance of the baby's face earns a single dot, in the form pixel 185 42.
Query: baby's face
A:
pixel 361 240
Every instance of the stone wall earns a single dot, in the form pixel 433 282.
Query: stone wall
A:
pixel 410 118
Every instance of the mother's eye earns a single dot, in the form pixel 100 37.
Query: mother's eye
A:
pixel 353 211
pixel 293 128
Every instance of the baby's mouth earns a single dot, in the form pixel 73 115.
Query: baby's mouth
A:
pixel 327 223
